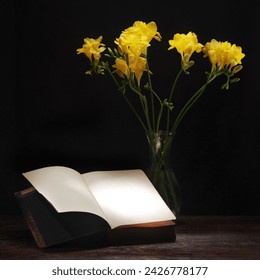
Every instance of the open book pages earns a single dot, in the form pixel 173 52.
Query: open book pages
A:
pixel 121 197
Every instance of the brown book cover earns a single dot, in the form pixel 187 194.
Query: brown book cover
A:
pixel 52 228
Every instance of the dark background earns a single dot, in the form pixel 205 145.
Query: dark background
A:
pixel 53 114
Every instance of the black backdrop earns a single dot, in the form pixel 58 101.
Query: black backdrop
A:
pixel 53 114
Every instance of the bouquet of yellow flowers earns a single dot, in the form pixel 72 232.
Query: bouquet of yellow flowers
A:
pixel 127 64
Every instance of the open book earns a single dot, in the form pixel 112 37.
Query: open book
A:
pixel 119 206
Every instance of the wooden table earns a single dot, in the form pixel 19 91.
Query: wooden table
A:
pixel 198 237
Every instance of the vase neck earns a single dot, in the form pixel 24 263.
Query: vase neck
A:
pixel 160 142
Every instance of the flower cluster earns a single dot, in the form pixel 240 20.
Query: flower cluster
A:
pixel 130 61
pixel 132 46
pixel 224 57
pixel 93 48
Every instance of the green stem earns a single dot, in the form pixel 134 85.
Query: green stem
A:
pixel 144 104
pixel 146 112
pixel 159 117
pixel 113 77
pixel 135 113
pixel 151 93
pixel 122 90
pixel 156 125
pixel 191 102
pixel 171 96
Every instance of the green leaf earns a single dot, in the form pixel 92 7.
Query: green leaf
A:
pixel 235 80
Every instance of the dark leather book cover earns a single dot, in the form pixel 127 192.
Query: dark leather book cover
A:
pixel 51 228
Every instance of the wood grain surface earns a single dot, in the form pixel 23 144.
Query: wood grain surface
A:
pixel 198 237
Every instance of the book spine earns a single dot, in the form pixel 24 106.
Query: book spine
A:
pixel 29 218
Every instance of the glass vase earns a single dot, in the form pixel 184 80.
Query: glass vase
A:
pixel 160 171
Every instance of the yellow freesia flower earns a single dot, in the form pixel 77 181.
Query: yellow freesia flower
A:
pixel 137 66
pixel 137 38
pixel 149 30
pixel 186 45
pixel 92 48
pixel 223 54
pixel 121 68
